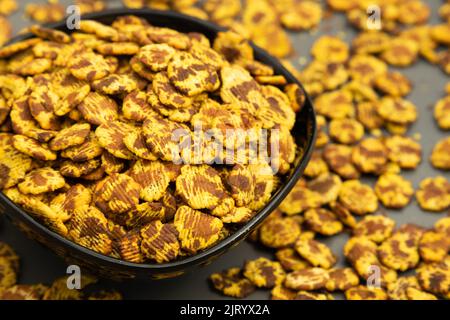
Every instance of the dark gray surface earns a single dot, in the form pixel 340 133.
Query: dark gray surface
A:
pixel 41 265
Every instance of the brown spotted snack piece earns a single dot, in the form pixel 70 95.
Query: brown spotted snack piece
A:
pixel 33 148
pixel 70 90
pixel 365 68
pixel 242 182
pixel 393 190
pixel 45 12
pixel 434 246
pixel 69 137
pixel 9 50
pixel 190 75
pixel 346 131
pixel 135 142
pixel 159 134
pixel 76 196
pixel 118 48
pixel 100 30
pixel 6 251
pixel 290 260
pixel 23 292
pixel 370 155
pixel 77 169
pixel 156 56
pixel 400 52
pixel 397 290
pixel 362 254
pixel 88 227
pixel 159 242
pixel 434 194
pixel 58 290
pixel 440 156
pixel 50 34
pixel 238 87
pixel 397 110
pixel 8 276
pixel 279 232
pixel 339 159
pixel 41 180
pixel 327 185
pixel 343 214
pixel 282 293
pixel 14 164
pixel 89 66
pixel 231 283
pixel 335 104
pixel 368 42
pixel 367 115
pixel 341 279
pixel 52 218
pixel 296 96
pixel 25 64
pixel 97 109
pixel 393 83
pixel 442 113
pixel 88 150
pixel 117 194
pixel 278 111
pixel 200 186
pixel 399 252
pixel 330 49
pixel 416 294
pixel 307 279
pixel 6 30
pixel 300 199
pixel 404 151
pixel 304 16
pixel 117 84
pixel 284 155
pixel 135 107
pixel 196 230
pixel 130 247
pixel 375 228
pixel 316 253
pixel 443 225
pixel 152 178
pixel 323 221
pixel 168 93
pixel 435 277
pixel 358 198
pixel 110 136
pixel 365 293
pixel 316 165
pixel 305 295
pixel 264 273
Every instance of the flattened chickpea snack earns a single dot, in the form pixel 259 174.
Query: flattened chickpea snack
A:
pixel 99 131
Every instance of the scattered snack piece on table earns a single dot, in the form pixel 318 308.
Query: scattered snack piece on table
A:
pixel 434 194
pixel 100 111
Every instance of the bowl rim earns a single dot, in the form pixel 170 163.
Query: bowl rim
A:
pixel 237 235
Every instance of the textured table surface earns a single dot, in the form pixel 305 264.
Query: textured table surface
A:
pixel 41 265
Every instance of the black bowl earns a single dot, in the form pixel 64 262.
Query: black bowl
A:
pixel 304 133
